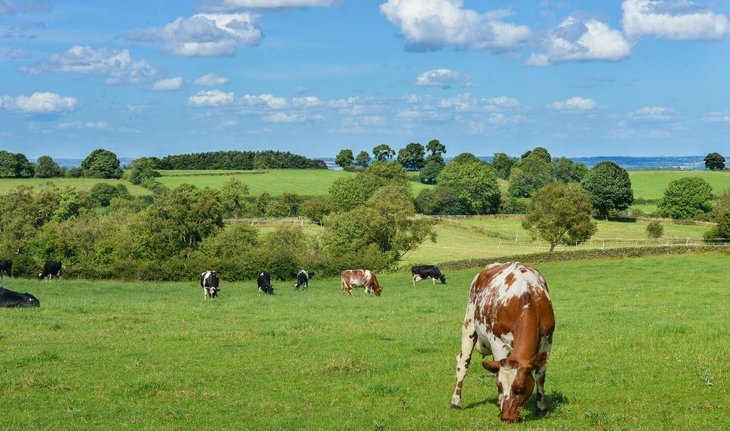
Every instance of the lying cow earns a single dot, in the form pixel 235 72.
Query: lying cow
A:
pixel 51 269
pixel 6 268
pixel 424 272
pixel 360 278
pixel 264 282
pixel 509 316
pixel 209 282
pixel 8 298
pixel 302 279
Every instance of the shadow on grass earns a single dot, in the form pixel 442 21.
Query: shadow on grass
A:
pixel 555 400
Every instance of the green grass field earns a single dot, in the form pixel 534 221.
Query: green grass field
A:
pixel 81 184
pixel 651 184
pixel 640 344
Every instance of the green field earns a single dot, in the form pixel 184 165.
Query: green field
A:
pixel 640 344
pixel 81 184
pixel 651 184
pixel 308 182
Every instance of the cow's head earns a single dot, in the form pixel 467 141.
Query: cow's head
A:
pixel 40 276
pixel 515 383
pixel 377 289
pixel 443 279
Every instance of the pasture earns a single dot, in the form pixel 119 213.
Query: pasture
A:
pixel 80 184
pixel 640 344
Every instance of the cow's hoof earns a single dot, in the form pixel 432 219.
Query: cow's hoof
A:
pixel 541 412
pixel 455 407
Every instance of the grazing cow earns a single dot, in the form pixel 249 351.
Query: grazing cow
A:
pixel 264 283
pixel 51 269
pixel 302 279
pixel 6 268
pixel 8 298
pixel 424 272
pixel 209 282
pixel 510 316
pixel 360 278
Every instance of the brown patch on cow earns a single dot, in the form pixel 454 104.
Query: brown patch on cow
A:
pixel 466 323
pixel 509 279
pixel 458 388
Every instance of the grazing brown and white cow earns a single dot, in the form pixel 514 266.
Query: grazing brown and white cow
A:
pixel 360 278
pixel 509 316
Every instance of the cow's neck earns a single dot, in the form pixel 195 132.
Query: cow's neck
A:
pixel 525 334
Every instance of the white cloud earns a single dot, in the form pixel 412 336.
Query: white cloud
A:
pixel 211 98
pixel 16 53
pixel 717 117
pixel 168 84
pixel 433 24
pixel 83 125
pixel 204 34
pixel 672 19
pixel 269 100
pixel 504 102
pixel 652 113
pixel 577 40
pixel 281 117
pixel 116 66
pixel 574 104
pixel 270 4
pixel 210 80
pixel 443 78
pixel 306 102
pixel 38 103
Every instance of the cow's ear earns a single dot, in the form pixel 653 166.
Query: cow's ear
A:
pixel 491 366
pixel 539 360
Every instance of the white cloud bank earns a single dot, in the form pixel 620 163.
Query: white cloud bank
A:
pixel 168 84
pixel 574 104
pixel 433 24
pixel 38 103
pixel 211 80
pixel 678 19
pixel 443 78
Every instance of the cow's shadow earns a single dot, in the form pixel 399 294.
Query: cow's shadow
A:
pixel 555 401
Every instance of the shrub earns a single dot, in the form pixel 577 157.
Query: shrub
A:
pixel 654 230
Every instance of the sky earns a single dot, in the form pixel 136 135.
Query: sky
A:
pixel 159 77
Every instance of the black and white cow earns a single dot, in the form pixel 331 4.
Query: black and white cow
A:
pixel 209 282
pixel 423 272
pixel 51 269
pixel 8 298
pixel 302 279
pixel 264 282
pixel 6 268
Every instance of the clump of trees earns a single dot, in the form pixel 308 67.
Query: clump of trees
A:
pixel 609 188
pixel 685 198
pixel 243 160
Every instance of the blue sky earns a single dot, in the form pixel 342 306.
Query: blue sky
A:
pixel 610 77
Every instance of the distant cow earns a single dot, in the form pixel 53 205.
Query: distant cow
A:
pixel 6 268
pixel 509 316
pixel 51 269
pixel 424 272
pixel 302 279
pixel 209 282
pixel 8 298
pixel 360 278
pixel 264 282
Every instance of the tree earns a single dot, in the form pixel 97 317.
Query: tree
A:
pixel 15 165
pixel 349 192
pixel 46 167
pixel 440 201
pixel 722 230
pixel 430 172
pixel 654 230
pixel 609 188
pixel 345 159
pixel 502 163
pixel 474 182
pixel 103 193
pixel 560 213
pixel 233 196
pixel 412 157
pixel 385 227
pixel 70 205
pixel 685 197
pixel 715 162
pixel 101 163
pixel 316 209
pixel 362 160
pixel 383 153
pixel 436 148
pixel 568 171
pixel 142 169
pixel 538 152
pixel 532 173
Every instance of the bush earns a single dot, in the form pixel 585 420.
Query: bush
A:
pixel 654 230
pixel 685 198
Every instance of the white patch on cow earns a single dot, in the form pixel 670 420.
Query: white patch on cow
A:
pixel 522 283
pixel 506 377
pixel 526 306
pixel 501 346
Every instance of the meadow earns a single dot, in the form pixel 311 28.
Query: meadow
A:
pixel 640 344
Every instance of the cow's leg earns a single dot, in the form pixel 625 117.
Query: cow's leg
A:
pixel 433 281
pixel 546 344
pixel 468 340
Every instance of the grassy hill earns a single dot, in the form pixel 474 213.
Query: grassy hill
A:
pixel 113 356
pixel 650 185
